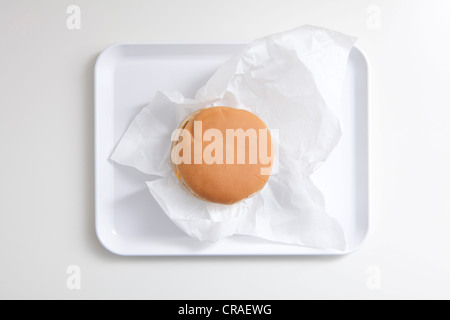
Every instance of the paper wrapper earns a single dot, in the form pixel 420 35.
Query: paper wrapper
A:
pixel 292 81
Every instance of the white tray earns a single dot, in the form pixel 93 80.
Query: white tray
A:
pixel 128 219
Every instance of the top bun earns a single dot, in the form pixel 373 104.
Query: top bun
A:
pixel 208 151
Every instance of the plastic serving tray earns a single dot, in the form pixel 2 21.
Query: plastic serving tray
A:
pixel 130 222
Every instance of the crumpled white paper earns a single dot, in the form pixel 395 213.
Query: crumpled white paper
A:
pixel 291 80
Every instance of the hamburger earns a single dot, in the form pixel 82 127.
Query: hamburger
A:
pixel 222 154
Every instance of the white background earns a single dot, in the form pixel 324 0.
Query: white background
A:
pixel 47 145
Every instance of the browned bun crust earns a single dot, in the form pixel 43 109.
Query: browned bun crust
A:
pixel 223 183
